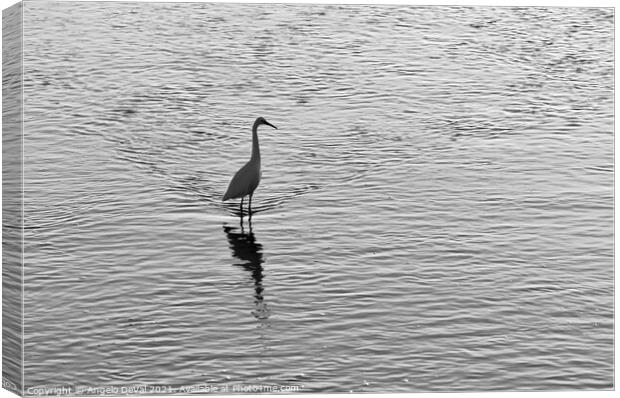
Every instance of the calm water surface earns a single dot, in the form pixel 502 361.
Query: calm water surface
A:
pixel 436 209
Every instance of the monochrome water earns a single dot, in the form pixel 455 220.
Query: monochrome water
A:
pixel 435 211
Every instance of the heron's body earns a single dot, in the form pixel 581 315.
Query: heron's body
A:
pixel 245 181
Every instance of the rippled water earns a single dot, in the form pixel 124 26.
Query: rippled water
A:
pixel 436 209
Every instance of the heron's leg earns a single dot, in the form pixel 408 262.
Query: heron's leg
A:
pixel 241 208
pixel 250 206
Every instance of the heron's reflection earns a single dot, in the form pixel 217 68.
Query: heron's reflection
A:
pixel 250 252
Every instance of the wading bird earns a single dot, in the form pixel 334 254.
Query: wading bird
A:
pixel 247 178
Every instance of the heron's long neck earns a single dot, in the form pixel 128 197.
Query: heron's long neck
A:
pixel 255 147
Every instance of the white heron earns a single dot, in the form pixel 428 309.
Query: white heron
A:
pixel 247 178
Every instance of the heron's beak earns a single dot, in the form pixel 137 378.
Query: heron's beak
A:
pixel 269 124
